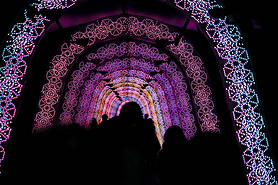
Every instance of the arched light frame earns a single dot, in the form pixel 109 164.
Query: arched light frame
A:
pixel 131 69
pixel 143 28
pixel 171 79
pixel 225 39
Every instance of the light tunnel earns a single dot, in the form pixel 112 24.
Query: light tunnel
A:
pixel 166 73
pixel 107 61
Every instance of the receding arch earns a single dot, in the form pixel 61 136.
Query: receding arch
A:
pixel 184 52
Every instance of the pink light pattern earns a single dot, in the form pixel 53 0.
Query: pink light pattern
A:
pixel 54 4
pixel 51 90
pixel 109 103
pixel 217 31
pixel 152 89
pixel 129 90
pixel 94 32
pixel 66 116
pixel 195 71
pixel 161 31
pixel 179 114
pixel 95 87
pixel 240 85
pixel 197 76
pixel 107 28
pixel 131 49
pixel 19 46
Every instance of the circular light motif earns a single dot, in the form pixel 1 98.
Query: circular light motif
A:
pixel 219 31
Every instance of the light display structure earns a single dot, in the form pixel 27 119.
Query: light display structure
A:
pixel 145 28
pixel 132 67
pixel 226 41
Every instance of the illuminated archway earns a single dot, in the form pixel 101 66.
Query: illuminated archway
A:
pixel 225 39
pixel 139 28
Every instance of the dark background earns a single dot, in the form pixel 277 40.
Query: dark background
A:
pixel 257 22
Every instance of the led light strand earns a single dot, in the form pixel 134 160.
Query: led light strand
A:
pixel 53 4
pixel 240 83
pixel 20 45
pixel 135 24
pixel 199 12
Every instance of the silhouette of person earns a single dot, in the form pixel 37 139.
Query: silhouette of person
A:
pixel 150 149
pixel 107 152
pixel 131 157
pixel 173 158
pixel 104 120
pixel 139 146
pixel 104 130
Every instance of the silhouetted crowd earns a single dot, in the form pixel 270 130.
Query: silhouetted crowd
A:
pixel 123 150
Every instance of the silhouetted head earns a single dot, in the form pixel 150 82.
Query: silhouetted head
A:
pixel 131 111
pixel 146 116
pixel 104 117
pixel 174 135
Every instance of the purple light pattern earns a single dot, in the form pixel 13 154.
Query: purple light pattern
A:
pixel 92 86
pixel 234 60
pixel 197 76
pixel 50 91
pixel 53 4
pixel 107 103
pixel 130 49
pixel 19 46
pixel 135 51
pixel 218 31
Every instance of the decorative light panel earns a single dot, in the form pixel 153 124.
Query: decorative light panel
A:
pixel 51 90
pixel 52 4
pixel 95 86
pixel 19 45
pixel 207 117
pixel 108 103
pixel 129 91
pixel 97 103
pixel 94 32
pixel 233 56
pixel 224 36
pixel 197 76
pixel 130 48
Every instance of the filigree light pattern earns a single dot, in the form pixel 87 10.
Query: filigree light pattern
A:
pixel 197 76
pixel 132 63
pixel 186 120
pixel 147 52
pixel 194 66
pixel 109 28
pixel 220 32
pixel 194 69
pixel 94 32
pixel 129 89
pixel 51 90
pixel 54 4
pixel 109 103
pixel 78 76
pixel 70 100
pixel 231 49
pixel 20 45
pixel 230 46
pixel 131 26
